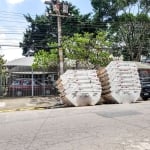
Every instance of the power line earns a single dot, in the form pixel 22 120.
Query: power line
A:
pixel 2 20
pixel 9 45
pixel 14 13
pixel 67 21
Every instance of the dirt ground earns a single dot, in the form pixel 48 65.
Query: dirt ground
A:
pixel 30 102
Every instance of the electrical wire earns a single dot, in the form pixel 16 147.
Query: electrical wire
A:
pixel 19 18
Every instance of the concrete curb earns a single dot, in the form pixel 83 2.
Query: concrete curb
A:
pixel 22 109
pixel 30 108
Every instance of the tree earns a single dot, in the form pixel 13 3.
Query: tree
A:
pixel 44 60
pixel 144 5
pixel 108 10
pixel 133 36
pixel 88 48
pixel 2 61
pixel 43 29
pixel 2 74
pixel 38 34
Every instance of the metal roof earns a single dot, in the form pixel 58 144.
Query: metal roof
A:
pixel 35 72
pixel 28 61
pixel 142 65
pixel 24 61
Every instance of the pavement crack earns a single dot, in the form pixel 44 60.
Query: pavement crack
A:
pixel 35 136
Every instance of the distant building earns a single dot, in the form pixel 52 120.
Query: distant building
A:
pixel 22 68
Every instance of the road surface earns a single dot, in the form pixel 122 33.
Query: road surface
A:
pixel 102 127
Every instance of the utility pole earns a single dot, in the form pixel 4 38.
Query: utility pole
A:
pixel 60 51
pixel 57 5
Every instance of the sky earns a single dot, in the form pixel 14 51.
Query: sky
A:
pixel 13 24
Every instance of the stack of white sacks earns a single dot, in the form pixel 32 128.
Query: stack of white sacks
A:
pixel 120 82
pixel 79 87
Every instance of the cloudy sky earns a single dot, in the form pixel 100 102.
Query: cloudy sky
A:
pixel 13 24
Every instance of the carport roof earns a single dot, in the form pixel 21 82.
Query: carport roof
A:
pixel 142 65
pixel 24 61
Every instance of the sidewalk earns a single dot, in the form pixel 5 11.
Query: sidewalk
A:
pixel 29 103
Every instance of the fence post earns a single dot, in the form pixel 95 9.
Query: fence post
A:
pixel 32 83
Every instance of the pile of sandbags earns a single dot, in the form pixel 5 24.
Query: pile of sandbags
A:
pixel 120 82
pixel 79 87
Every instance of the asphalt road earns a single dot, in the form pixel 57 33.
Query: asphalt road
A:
pixel 103 127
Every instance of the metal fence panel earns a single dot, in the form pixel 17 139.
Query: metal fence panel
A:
pixel 16 85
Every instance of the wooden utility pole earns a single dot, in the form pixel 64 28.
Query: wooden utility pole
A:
pixel 56 8
pixel 60 51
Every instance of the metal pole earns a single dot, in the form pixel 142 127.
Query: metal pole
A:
pixel 32 84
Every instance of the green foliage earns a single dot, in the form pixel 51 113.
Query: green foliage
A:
pixel 88 48
pixel 2 73
pixel 129 31
pixel 43 29
pixel 43 59
pixel 81 36
pixel 107 10
pixel 145 6
pixel 2 62
pixel 37 35
pixel 132 33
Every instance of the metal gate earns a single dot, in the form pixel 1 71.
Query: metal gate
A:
pixel 27 84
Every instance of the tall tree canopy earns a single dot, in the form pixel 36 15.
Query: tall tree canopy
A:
pixel 129 30
pixel 43 29
pixel 132 36
pixel 108 10
pixel 37 34
pixel 129 24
